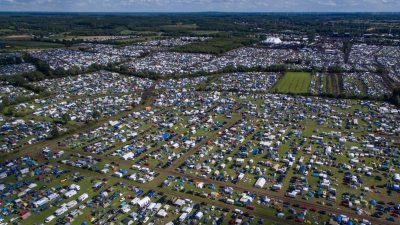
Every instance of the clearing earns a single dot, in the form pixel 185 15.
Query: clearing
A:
pixel 294 83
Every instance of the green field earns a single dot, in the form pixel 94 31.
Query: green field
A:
pixel 294 83
pixel 216 45
pixel 24 45
pixel 179 26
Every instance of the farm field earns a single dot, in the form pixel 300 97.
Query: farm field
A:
pixel 294 83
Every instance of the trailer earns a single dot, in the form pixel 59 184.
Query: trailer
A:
pixel 41 202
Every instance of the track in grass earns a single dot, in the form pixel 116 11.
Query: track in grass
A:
pixel 294 82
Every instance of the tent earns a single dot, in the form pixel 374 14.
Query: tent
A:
pixel 373 202
pixel 166 136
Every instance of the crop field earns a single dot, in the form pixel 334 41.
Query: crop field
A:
pixel 294 82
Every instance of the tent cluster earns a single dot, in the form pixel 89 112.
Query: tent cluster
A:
pixel 26 193
pixel 86 109
pixel 102 82
pixel 14 69
pixel 245 82
pixel 11 93
pixel 17 133
pixel 67 59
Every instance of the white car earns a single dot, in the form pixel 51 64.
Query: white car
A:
pixel 49 219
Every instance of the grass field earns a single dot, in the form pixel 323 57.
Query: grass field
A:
pixel 215 45
pixel 205 32
pixel 24 45
pixel 294 82
pixel 180 26
pixel 131 41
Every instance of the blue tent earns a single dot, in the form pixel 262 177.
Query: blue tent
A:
pixel 38 172
pixel 166 136
pixel 152 194
pixel 302 169
pixel 396 187
pixel 242 149
pixel 373 202
pixel 19 184
pixel 255 151
pixel 338 219
pixel 139 192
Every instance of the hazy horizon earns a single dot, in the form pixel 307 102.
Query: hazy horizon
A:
pixel 195 6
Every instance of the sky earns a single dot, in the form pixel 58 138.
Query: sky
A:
pixel 201 5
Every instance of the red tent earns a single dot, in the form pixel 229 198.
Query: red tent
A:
pixel 24 214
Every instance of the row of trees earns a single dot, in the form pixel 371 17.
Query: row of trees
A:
pixel 5 60
pixel 395 97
